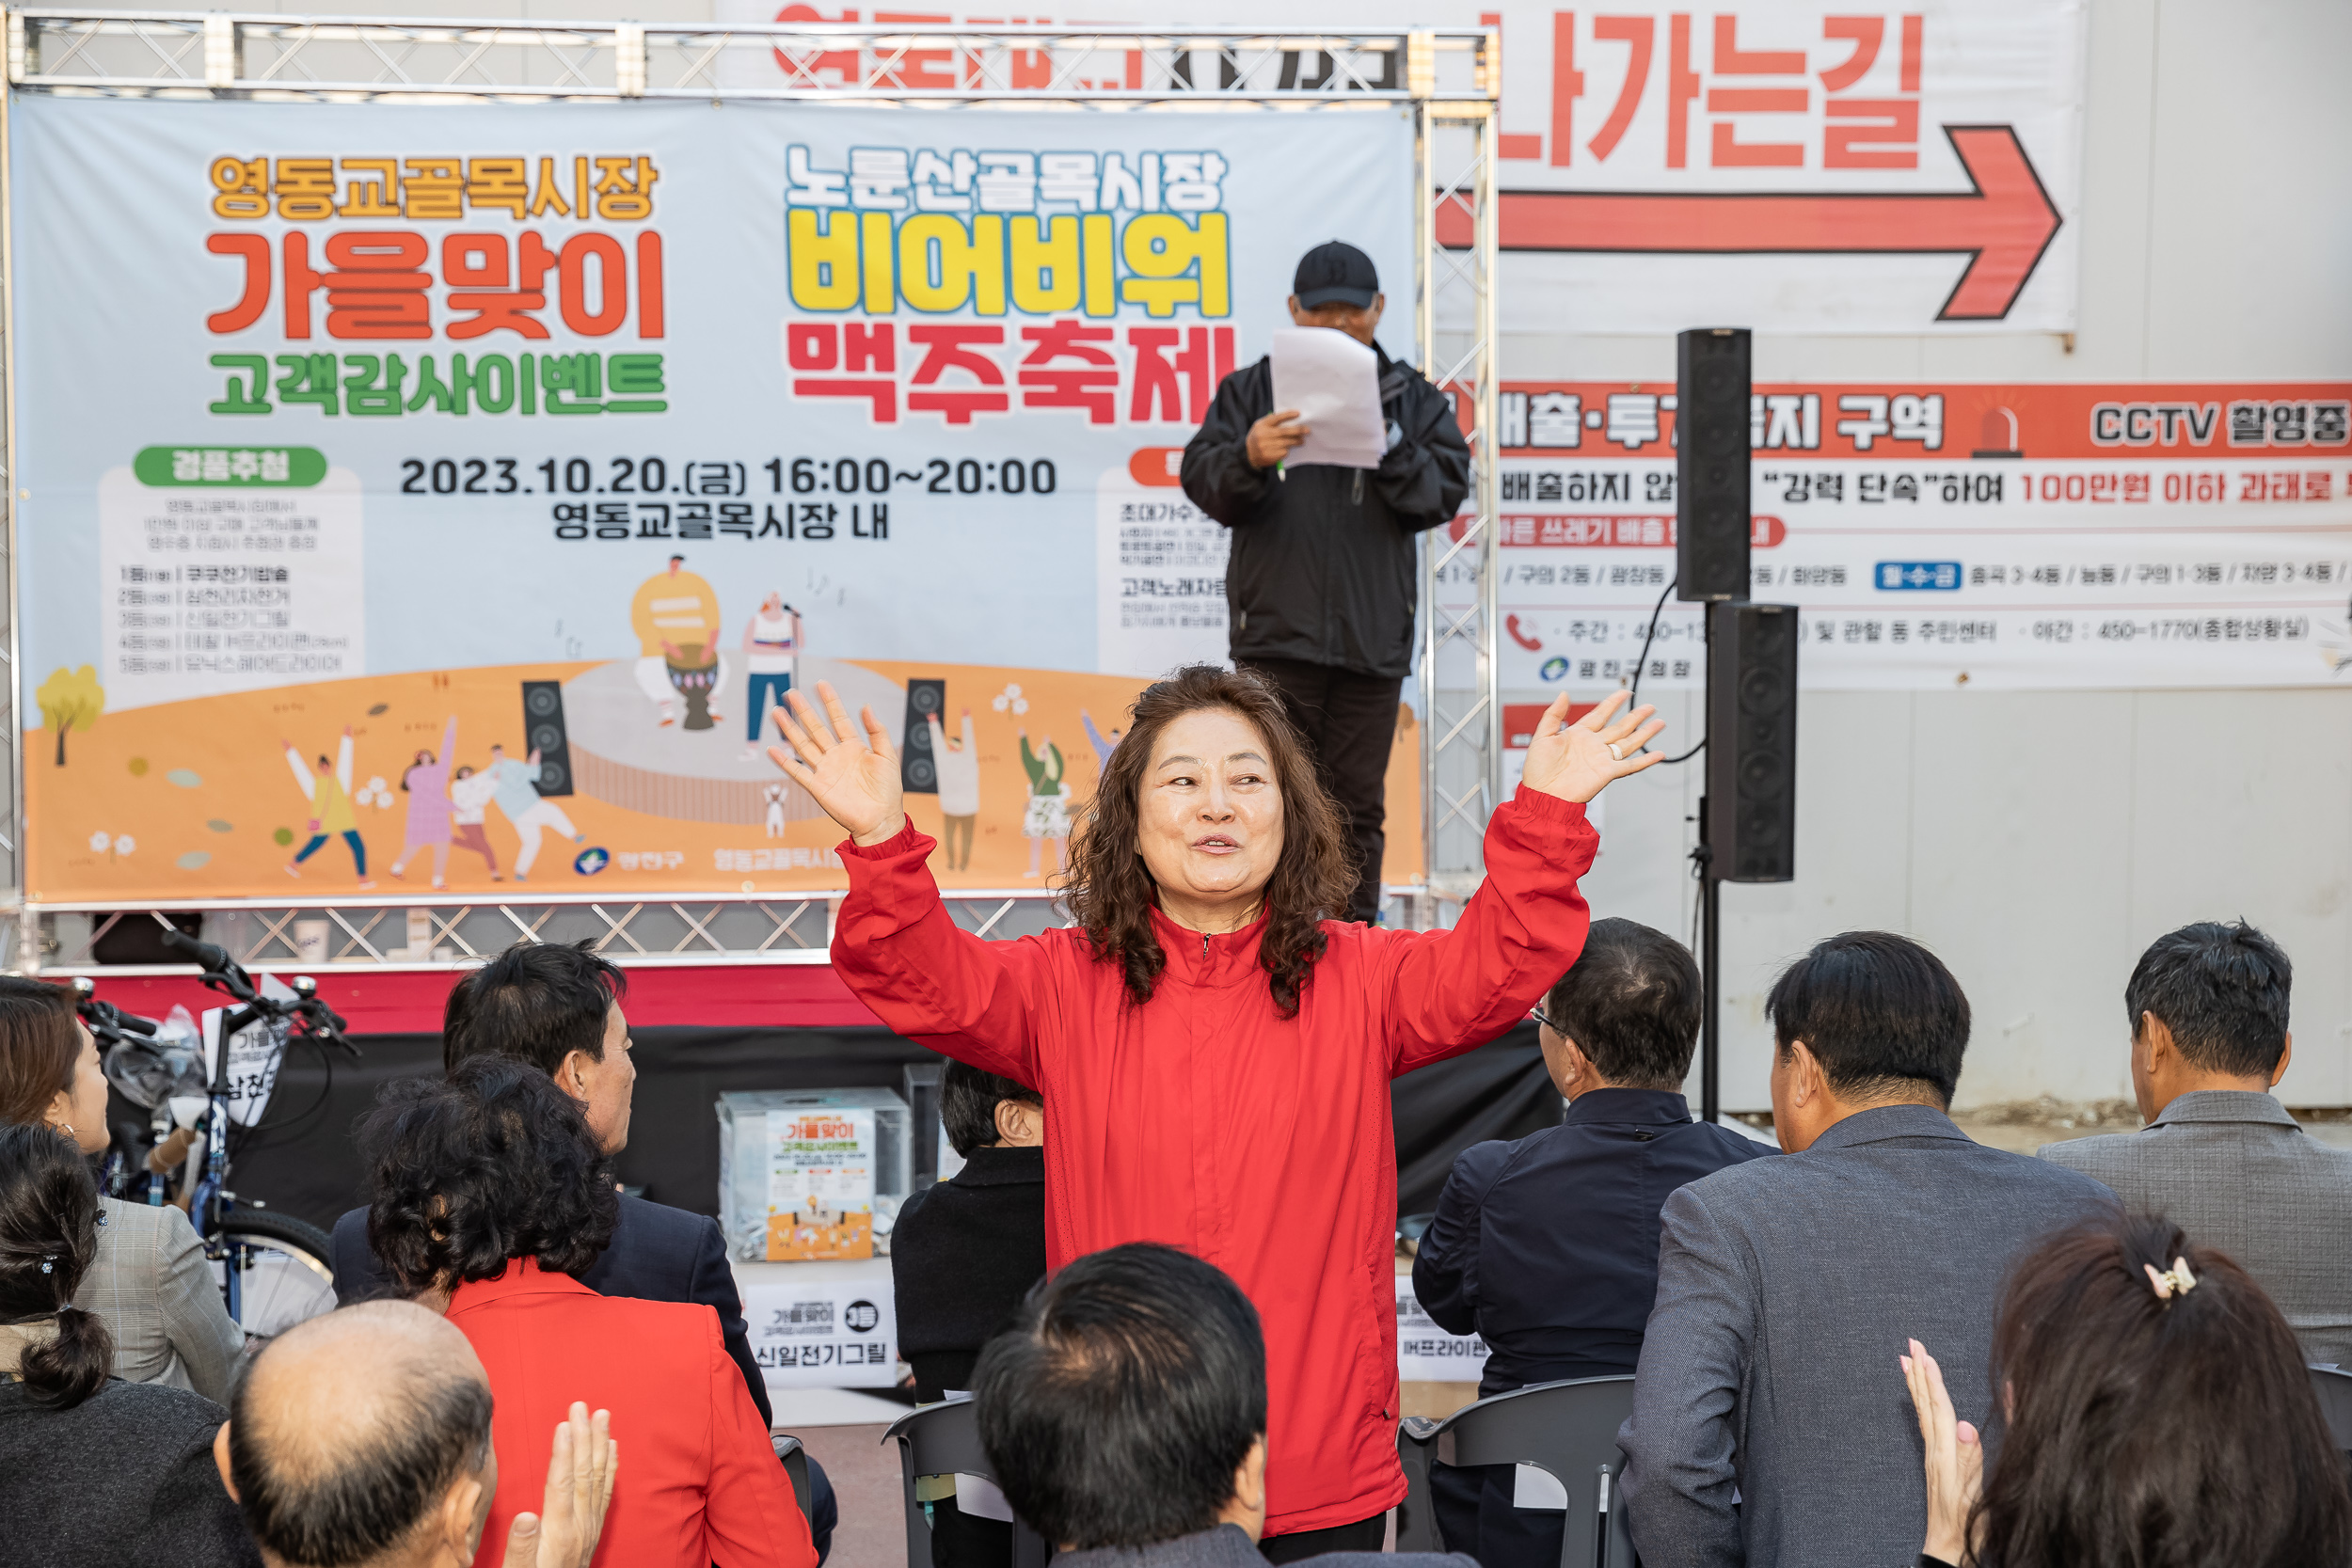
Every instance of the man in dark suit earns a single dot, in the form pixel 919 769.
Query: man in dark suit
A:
pixel 963 1256
pixel 1547 1248
pixel 1771 1424
pixel 1125 1414
pixel 559 1008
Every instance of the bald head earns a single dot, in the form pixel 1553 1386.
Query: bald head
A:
pixel 353 1435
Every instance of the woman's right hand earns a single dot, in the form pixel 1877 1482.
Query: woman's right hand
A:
pixel 857 782
pixel 1955 1457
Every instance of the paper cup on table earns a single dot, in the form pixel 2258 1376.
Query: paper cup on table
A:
pixel 310 940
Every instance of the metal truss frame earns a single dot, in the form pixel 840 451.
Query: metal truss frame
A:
pixel 1450 78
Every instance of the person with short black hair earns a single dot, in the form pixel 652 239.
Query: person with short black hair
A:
pixel 490 1193
pixel 1761 1432
pixel 1547 1247
pixel 361 1440
pixel 2152 1407
pixel 1125 1417
pixel 964 1254
pixel 558 1008
pixel 2207 1008
pixel 94 1472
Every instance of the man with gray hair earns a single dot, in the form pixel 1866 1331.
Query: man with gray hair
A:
pixel 361 1440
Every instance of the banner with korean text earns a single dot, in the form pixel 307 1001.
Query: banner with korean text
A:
pixel 1791 166
pixel 1939 535
pixel 416 497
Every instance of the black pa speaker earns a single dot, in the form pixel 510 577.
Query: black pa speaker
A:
pixel 544 732
pixel 1752 740
pixel 1711 524
pixel 918 770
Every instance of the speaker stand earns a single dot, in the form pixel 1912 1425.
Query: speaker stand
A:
pixel 1711 968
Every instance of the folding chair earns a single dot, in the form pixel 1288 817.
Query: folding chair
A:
pixel 2334 1390
pixel 944 1439
pixel 1566 1429
pixel 795 1467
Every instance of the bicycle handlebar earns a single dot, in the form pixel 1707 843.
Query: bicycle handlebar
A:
pixel 223 974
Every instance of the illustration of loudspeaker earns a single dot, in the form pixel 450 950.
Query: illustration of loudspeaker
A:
pixel 1752 740
pixel 918 770
pixel 1711 524
pixel 544 732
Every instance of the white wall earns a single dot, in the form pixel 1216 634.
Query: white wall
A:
pixel 2038 841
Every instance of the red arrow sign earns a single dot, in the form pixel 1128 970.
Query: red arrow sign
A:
pixel 2004 224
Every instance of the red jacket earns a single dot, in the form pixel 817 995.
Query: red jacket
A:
pixel 1202 1119
pixel 699 1481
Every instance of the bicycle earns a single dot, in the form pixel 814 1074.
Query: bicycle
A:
pixel 275 1270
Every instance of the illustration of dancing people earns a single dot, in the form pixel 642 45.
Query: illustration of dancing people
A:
pixel 427 784
pixel 772 653
pixel 331 810
pixel 676 617
pixel 1047 815
pixel 469 796
pixel 515 787
pixel 959 765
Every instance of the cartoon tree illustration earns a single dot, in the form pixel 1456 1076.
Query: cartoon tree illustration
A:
pixel 70 697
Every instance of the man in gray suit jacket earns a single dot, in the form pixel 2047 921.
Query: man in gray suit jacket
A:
pixel 1771 1423
pixel 2219 1156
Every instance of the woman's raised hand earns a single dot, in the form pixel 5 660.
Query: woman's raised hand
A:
pixel 855 781
pixel 1580 760
pixel 1955 1457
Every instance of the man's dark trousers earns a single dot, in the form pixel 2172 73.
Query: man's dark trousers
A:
pixel 1348 721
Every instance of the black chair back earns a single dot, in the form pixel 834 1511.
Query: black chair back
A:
pixel 1567 1428
pixel 2334 1390
pixel 944 1439
pixel 795 1461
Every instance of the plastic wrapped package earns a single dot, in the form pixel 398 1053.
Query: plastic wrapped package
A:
pixel 809 1174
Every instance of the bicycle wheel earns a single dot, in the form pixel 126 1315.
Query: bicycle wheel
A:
pixel 282 1269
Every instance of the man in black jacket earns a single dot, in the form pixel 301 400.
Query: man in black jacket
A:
pixel 1321 588
pixel 559 1008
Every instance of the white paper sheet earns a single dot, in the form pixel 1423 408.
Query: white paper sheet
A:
pixel 1334 382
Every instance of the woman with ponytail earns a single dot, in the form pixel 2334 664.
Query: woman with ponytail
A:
pixel 93 1470
pixel 149 1280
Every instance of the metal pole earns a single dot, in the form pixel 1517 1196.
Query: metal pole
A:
pixel 27 918
pixel 1426 344
pixel 1710 976
pixel 1488 392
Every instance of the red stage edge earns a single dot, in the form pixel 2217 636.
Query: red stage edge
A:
pixel 409 1002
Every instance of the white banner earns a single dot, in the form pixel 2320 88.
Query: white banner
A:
pixel 825 1332
pixel 1788 165
pixel 1427 1353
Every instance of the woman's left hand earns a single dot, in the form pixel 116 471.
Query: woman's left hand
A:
pixel 1580 761
pixel 1955 1457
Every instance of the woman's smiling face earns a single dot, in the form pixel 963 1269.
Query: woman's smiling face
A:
pixel 1209 817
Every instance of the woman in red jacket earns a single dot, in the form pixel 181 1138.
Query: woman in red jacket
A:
pixel 1215 1054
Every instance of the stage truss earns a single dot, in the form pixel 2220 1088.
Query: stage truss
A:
pixel 1452 78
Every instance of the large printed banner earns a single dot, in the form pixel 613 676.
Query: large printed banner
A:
pixel 1944 536
pixel 1817 166
pixel 413 496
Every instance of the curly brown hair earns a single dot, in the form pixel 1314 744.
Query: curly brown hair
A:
pixel 1111 891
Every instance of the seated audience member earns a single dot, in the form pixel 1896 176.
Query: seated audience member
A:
pixel 361 1440
pixel 1762 1431
pixel 2220 1155
pixel 491 1193
pixel 1124 1414
pixel 1547 1248
pixel 149 1281
pixel 559 1008
pixel 94 1472
pixel 963 1255
pixel 2152 1407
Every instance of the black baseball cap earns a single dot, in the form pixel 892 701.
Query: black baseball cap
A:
pixel 1335 273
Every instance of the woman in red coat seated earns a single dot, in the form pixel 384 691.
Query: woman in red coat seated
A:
pixel 1213 1053
pixel 488 1193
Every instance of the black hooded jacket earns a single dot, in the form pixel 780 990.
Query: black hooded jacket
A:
pixel 1323 566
